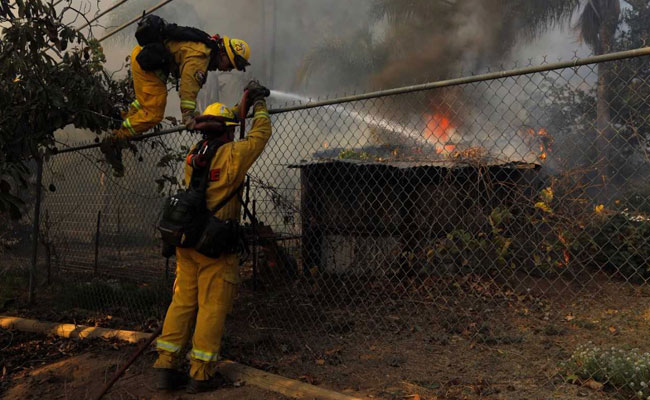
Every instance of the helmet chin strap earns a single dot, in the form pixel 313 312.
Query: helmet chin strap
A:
pixel 215 57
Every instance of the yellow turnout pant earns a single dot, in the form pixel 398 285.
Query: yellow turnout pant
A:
pixel 203 292
pixel 148 108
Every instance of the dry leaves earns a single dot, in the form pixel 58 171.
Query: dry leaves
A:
pixel 593 385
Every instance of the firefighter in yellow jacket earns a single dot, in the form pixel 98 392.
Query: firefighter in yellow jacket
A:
pixel 204 286
pixel 191 62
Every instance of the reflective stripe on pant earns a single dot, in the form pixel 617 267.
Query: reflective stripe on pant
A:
pixel 203 292
pixel 148 109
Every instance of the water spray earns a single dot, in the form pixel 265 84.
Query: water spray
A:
pixel 372 120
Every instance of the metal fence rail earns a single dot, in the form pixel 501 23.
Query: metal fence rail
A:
pixel 495 211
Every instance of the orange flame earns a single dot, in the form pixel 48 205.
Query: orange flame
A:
pixel 439 130
pixel 545 142
pixel 565 251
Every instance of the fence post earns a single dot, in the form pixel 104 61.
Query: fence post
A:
pixel 47 247
pixel 119 234
pixel 36 229
pixel 99 220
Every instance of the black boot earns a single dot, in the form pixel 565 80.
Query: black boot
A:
pixel 216 382
pixel 112 149
pixel 169 379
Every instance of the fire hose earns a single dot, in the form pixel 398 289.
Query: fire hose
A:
pixel 131 360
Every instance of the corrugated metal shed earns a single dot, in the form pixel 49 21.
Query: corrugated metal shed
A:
pixel 404 158
pixel 450 164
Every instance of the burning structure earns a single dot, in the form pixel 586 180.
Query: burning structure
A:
pixel 431 173
pixel 364 207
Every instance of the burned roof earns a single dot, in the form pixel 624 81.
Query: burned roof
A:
pixel 403 158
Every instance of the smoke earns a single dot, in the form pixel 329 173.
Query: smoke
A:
pixel 370 44
pixel 406 133
pixel 401 43
pixel 421 41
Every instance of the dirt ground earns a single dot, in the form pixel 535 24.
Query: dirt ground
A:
pixel 509 345
pixel 50 368
pixel 513 348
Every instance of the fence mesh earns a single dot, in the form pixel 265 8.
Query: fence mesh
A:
pixel 492 234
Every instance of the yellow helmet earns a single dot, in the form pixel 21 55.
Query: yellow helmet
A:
pixel 238 52
pixel 221 112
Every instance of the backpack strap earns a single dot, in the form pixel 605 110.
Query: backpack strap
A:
pixel 199 175
pixel 199 180
pixel 205 149
pixel 187 33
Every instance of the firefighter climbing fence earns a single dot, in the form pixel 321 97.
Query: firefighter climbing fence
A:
pixel 509 210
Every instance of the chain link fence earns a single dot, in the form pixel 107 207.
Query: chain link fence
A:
pixel 489 235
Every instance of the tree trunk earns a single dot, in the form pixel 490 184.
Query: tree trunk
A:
pixel 603 123
pixel 605 130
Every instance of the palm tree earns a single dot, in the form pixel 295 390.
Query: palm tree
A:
pixel 422 42
pixel 597 27
pixel 419 30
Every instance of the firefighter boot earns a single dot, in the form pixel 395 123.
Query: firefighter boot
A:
pixel 216 382
pixel 112 149
pixel 169 379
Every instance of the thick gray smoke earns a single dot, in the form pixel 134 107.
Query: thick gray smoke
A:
pixel 280 33
pixel 309 49
pixel 317 48
pixel 407 42
pixel 434 39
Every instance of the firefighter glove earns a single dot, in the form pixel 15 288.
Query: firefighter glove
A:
pixel 256 92
pixel 189 119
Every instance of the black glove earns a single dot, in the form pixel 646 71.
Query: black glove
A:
pixel 256 92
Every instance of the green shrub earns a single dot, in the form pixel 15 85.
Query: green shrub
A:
pixel 627 371
pixel 620 243
pixel 472 248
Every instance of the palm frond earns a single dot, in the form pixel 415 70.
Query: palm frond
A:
pixel 347 56
pixel 532 18
pixel 598 17
pixel 589 26
pixel 406 10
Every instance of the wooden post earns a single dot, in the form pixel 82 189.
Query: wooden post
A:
pixel 99 220
pixel 119 234
pixel 48 248
pixel 36 229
